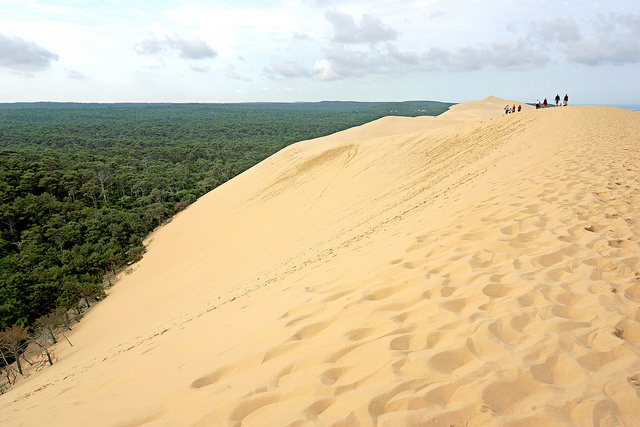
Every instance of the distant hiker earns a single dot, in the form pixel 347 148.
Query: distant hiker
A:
pixel 557 100
pixel 519 108
pixel 513 109
pixel 566 99
pixel 545 103
pixel 537 104
pixel 507 109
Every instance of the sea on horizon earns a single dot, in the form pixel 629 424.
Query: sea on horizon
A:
pixel 632 107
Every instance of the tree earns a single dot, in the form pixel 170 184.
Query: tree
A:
pixel 12 341
pixel 50 324
pixel 104 179
pixel 8 218
pixel 8 371
pixel 44 334
pixel 53 324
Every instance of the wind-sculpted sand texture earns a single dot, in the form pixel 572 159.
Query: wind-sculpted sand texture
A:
pixel 484 271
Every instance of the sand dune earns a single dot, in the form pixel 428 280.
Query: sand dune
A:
pixel 471 269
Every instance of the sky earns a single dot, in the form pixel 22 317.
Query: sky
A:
pixel 315 50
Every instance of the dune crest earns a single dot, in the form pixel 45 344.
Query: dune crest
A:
pixel 474 268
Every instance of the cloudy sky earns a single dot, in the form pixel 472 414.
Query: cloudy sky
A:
pixel 312 50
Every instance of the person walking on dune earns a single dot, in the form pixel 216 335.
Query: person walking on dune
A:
pixel 545 103
pixel 557 100
pixel 566 100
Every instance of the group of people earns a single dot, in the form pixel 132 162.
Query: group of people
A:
pixel 509 109
pixel 512 108
pixel 544 104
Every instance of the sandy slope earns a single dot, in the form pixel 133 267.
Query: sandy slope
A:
pixel 469 269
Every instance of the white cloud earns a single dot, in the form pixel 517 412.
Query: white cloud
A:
pixel 369 30
pixel 198 69
pixel 608 39
pixel 286 70
pixel 500 55
pixel 323 71
pixel 186 48
pixel 75 75
pixel 561 30
pixel 616 40
pixel 232 73
pixel 22 55
pixel 596 51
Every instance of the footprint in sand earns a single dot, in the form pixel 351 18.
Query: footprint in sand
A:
pixel 440 394
pixel 318 407
pixel 402 396
pixel 502 395
pixel 408 342
pixel 331 376
pixel 558 368
pixel 596 360
pixel 633 293
pixel 505 332
pixel 379 294
pixel 481 259
pixel 634 380
pixel 211 378
pixel 309 331
pixel 454 305
pixel 279 350
pixel 449 361
pixel 359 334
pixel 477 235
pixel 446 291
pixel 252 404
pixel 333 358
pixel 336 295
pixel 550 259
pixel 494 290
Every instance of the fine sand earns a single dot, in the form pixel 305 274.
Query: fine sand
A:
pixel 471 269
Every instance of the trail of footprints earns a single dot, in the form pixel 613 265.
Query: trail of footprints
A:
pixel 545 291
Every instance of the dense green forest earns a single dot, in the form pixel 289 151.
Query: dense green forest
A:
pixel 83 184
